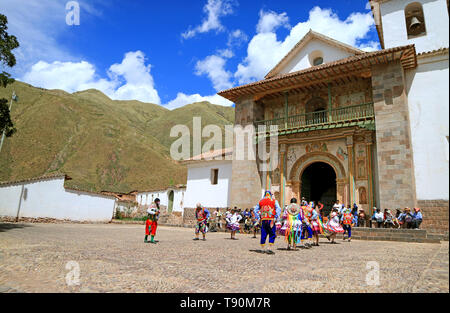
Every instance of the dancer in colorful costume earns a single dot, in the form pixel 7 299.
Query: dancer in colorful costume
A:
pixel 268 210
pixel 347 220
pixel 316 223
pixel 202 216
pixel 152 221
pixel 332 227
pixel 255 222
pixel 292 227
pixel 307 230
pixel 233 220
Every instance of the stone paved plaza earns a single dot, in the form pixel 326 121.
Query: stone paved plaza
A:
pixel 114 258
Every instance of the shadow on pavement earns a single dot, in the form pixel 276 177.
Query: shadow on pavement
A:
pixel 8 226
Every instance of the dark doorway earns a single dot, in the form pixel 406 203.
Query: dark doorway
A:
pixel 170 206
pixel 319 184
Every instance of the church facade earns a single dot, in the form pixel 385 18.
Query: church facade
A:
pixel 369 128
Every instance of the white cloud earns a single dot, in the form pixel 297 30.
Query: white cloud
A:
pixel 37 25
pixel 226 53
pixel 129 80
pixel 183 99
pixel 269 21
pixel 265 50
pixel 214 9
pixel 236 38
pixel 139 81
pixel 214 67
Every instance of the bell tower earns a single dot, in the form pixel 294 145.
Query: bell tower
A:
pixel 423 23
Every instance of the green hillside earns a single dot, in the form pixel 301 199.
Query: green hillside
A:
pixel 102 144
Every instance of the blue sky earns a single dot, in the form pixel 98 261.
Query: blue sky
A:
pixel 171 52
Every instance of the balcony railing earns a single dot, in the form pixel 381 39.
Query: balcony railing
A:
pixel 361 114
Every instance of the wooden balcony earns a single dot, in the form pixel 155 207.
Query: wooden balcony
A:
pixel 356 115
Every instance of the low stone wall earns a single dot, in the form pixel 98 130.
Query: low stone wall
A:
pixel 435 216
pixel 388 234
pixel 189 215
pixel 46 220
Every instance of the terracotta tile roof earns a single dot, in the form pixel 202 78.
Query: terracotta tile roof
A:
pixel 43 177
pixel 406 53
pixel 179 186
pixel 211 155
pixel 308 37
pixel 90 192
pixel 434 52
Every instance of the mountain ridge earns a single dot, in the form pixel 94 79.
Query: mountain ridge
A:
pixel 103 144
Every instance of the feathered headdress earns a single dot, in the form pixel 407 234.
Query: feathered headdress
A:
pixel 268 194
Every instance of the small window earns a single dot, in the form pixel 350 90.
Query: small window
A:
pixel 415 20
pixel 214 176
pixel 318 61
pixel 315 58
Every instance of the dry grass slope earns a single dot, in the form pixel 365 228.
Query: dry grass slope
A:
pixel 102 144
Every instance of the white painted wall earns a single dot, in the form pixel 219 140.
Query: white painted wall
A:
pixel 428 101
pixel 146 198
pixel 49 199
pixel 302 59
pixel 436 23
pixel 200 189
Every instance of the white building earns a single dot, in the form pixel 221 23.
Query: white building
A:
pixel 424 23
pixel 46 197
pixel 209 179
pixel 172 198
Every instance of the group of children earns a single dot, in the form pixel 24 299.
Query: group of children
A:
pixel 300 224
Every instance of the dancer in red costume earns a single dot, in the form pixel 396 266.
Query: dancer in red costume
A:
pixel 202 215
pixel 268 211
pixel 152 221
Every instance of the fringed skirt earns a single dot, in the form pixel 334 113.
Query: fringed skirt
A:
pixel 292 234
pixel 333 228
pixel 316 227
pixel 233 226
pixel 201 227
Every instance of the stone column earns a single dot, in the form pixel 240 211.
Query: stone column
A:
pixel 245 191
pixel 370 195
pixel 394 150
pixel 351 179
pixel 296 190
pixel 282 176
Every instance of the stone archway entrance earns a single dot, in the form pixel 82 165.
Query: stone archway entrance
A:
pixel 318 183
pixel 326 162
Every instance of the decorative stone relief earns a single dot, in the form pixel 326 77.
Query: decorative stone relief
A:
pixel 341 154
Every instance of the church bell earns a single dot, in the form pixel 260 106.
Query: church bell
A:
pixel 415 23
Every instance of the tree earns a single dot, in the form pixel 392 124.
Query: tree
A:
pixel 7 58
